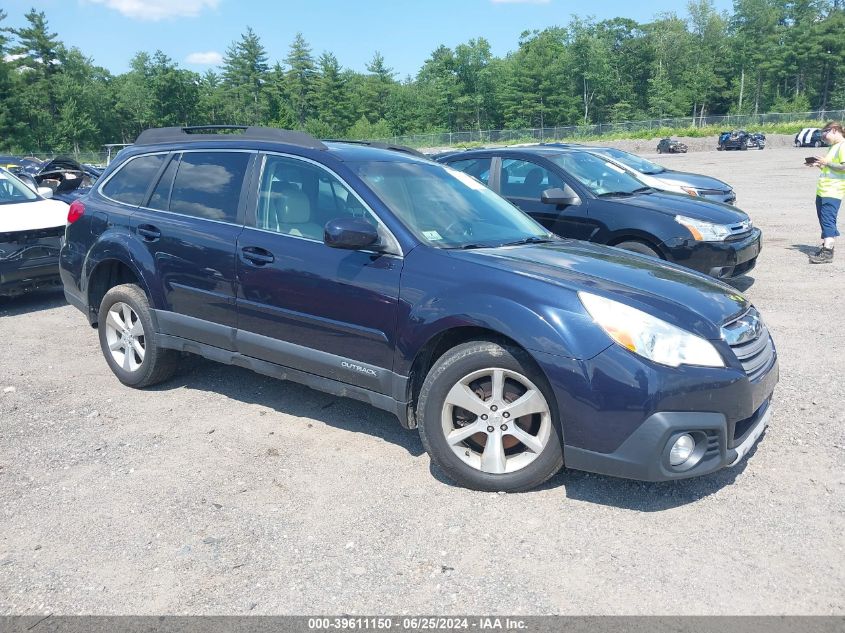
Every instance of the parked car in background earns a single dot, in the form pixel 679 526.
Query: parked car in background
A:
pixel 31 227
pixel 664 179
pixel 736 139
pixel 377 275
pixel 578 194
pixel 809 137
pixel 757 140
pixel 671 146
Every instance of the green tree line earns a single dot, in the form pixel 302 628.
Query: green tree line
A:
pixel 764 56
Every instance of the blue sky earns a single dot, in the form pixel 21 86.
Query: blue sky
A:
pixel 196 32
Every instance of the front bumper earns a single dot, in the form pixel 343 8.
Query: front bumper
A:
pixel 620 413
pixel 28 266
pixel 723 260
pixel 645 454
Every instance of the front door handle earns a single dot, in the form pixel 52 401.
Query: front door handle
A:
pixel 148 232
pixel 256 255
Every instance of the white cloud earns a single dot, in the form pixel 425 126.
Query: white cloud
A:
pixel 154 10
pixel 209 58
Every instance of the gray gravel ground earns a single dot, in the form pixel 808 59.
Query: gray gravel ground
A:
pixel 224 492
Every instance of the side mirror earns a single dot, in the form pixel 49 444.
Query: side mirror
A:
pixel 45 192
pixel 350 233
pixel 565 196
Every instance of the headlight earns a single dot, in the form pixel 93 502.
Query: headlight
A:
pixel 649 336
pixel 704 231
pixel 690 190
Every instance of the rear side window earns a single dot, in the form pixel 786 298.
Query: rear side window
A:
pixel 161 194
pixel 132 180
pixel 478 168
pixel 208 185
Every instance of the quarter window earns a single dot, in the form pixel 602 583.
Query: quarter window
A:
pixel 130 183
pixel 208 185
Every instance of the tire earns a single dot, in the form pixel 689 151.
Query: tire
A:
pixel 659 151
pixel 817 143
pixel 638 247
pixel 132 352
pixel 743 146
pixel 719 148
pixel 492 458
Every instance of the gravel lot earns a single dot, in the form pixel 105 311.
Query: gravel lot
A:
pixel 224 492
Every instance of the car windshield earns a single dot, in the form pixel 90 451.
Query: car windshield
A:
pixel 446 208
pixel 601 177
pixel 631 160
pixel 13 190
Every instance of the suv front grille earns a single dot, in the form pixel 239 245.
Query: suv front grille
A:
pixel 751 343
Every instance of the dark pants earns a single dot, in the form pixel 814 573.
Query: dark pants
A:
pixel 827 209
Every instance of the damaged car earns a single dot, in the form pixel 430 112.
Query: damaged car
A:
pixel 31 229
pixel 65 176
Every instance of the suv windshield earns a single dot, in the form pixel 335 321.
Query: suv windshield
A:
pixel 600 176
pixel 631 160
pixel 13 190
pixel 446 208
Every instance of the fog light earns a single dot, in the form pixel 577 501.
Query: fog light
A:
pixel 681 450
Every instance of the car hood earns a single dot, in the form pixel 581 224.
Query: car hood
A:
pixel 30 216
pixel 687 179
pixel 687 299
pixel 683 204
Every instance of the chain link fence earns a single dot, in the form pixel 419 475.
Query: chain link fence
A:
pixel 732 121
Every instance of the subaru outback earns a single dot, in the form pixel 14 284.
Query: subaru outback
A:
pixel 377 275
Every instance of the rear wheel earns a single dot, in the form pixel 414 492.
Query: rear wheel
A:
pixel 129 340
pixel 817 143
pixel 638 247
pixel 487 418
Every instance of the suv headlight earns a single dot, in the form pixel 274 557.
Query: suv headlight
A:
pixel 704 231
pixel 649 336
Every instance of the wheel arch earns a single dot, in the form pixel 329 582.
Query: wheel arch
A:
pixel 107 274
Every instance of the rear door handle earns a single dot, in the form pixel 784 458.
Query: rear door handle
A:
pixel 148 232
pixel 257 256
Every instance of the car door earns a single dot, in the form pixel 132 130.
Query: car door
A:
pixel 303 304
pixel 190 227
pixel 523 181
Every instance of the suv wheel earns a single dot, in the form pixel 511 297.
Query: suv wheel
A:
pixel 487 418
pixel 129 340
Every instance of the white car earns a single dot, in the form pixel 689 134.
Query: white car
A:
pixel 659 177
pixel 31 228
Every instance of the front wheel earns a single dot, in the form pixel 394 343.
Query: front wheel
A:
pixel 638 247
pixel 487 418
pixel 129 340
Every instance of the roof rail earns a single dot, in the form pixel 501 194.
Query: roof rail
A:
pixel 391 146
pixel 201 133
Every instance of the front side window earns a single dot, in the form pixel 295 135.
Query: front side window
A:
pixel 13 190
pixel 298 198
pixel 524 179
pixel 602 178
pixel 208 185
pixel 130 183
pixel 446 208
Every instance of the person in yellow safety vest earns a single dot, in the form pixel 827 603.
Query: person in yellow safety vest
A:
pixel 830 190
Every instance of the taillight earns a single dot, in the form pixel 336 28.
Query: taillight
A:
pixel 76 211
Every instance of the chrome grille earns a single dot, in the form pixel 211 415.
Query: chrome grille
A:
pixel 751 343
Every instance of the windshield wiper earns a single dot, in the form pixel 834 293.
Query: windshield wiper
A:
pixel 643 190
pixel 529 240
pixel 608 194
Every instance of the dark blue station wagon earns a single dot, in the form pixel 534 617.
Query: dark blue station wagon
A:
pixel 381 276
